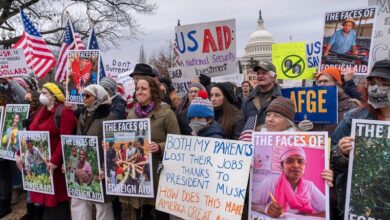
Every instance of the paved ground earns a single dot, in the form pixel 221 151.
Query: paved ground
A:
pixel 18 210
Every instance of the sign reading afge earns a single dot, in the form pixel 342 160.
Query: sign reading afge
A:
pixel 369 171
pixel 317 104
pixel 12 63
pixel 207 48
pixel 204 178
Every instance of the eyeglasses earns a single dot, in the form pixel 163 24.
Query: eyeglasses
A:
pixel 86 96
pixel 193 91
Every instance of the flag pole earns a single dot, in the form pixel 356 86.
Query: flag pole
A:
pixel 71 28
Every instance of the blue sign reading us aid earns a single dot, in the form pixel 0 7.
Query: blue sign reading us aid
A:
pixel 317 104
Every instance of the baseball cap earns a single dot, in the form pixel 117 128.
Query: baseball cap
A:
pixel 267 66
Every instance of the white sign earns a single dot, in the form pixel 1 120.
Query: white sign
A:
pixel 207 48
pixel 179 82
pixel 235 78
pixel 126 84
pixel 204 178
pixel 13 63
pixel 115 65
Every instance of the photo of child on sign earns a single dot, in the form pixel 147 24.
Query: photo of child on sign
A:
pixel 291 185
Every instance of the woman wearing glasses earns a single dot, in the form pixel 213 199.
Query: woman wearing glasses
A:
pixel 52 98
pixel 96 109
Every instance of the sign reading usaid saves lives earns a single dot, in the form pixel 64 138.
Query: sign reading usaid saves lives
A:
pixel 207 48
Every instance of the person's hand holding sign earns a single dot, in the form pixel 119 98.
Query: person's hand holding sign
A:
pixel 273 209
pixel 345 145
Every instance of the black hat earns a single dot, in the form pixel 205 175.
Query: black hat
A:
pixel 267 66
pixel 227 90
pixel 168 82
pixel 380 69
pixel 143 70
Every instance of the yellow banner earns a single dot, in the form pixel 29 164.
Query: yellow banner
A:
pixel 290 61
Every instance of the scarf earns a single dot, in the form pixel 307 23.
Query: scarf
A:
pixel 142 112
pixel 285 194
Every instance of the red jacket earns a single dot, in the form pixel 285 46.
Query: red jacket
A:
pixel 44 121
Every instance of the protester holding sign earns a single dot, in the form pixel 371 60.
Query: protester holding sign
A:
pixel 266 90
pixel 163 122
pixel 58 120
pixel 118 104
pixel 375 106
pixel 279 116
pixel 97 108
pixel 228 116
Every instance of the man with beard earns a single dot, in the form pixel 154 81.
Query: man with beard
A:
pixel 84 170
pixel 293 194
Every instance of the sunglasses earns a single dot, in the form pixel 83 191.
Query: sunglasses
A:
pixel 86 96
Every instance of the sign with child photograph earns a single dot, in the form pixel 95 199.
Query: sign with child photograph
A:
pixel 286 180
pixel 12 124
pixel 127 159
pixel 204 178
pixel 35 154
pixel 82 166
pixel 369 171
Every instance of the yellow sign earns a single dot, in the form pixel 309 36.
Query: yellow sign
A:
pixel 290 61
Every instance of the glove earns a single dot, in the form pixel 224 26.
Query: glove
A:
pixel 305 125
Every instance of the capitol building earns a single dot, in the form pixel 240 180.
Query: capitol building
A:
pixel 258 49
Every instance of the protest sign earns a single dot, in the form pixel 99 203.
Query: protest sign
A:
pixel 290 61
pixel 207 48
pixel 13 63
pixel 179 81
pixel 318 104
pixel 347 39
pixel 82 166
pixel 35 154
pixel 251 76
pixel 235 78
pixel 369 171
pixel 127 159
pixel 381 41
pixel 126 85
pixel 115 65
pixel 12 124
pixel 204 178
pixel 83 69
pixel 280 156
pixel 313 54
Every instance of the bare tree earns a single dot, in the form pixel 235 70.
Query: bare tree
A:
pixel 112 19
pixel 162 59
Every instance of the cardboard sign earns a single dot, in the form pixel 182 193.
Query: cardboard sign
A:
pixel 115 65
pixel 250 76
pixel 12 124
pixel 381 41
pixel 127 159
pixel 35 152
pixel 276 154
pixel 348 46
pixel 179 81
pixel 290 61
pixel 13 63
pixel 207 48
pixel 235 78
pixel 204 178
pixel 83 69
pixel 317 104
pixel 368 171
pixel 82 166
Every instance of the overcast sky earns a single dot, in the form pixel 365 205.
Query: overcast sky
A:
pixel 302 19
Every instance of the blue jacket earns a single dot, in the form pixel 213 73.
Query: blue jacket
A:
pixel 351 90
pixel 339 162
pixel 214 131
pixel 249 109
pixel 118 107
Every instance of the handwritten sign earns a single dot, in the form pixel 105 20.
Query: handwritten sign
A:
pixel 126 85
pixel 317 104
pixel 179 81
pixel 250 76
pixel 13 63
pixel 114 65
pixel 204 178
pixel 207 48
pixel 313 54
pixel 368 170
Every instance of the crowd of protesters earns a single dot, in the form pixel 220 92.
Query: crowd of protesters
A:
pixel 218 110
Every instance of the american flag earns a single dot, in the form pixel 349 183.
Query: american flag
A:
pixel 93 44
pixel 38 55
pixel 246 134
pixel 72 41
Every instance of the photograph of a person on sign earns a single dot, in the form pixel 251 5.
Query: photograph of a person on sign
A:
pixel 289 191
pixel 343 41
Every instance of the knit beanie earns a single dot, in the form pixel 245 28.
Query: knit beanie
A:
pixel 109 85
pixel 55 90
pixel 334 73
pixel 227 90
pixel 197 85
pixel 201 107
pixel 283 106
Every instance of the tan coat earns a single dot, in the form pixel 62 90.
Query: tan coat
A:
pixel 163 121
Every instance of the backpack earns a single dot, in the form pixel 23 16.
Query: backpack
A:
pixel 57 115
